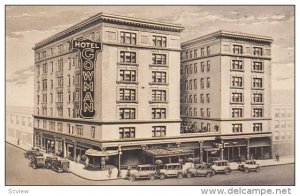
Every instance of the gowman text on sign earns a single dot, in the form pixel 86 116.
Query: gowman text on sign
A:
pixel 88 55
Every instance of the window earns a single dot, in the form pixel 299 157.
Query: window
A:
pixel 44 124
pixel 276 123
pixel 202 51
pixel 159 95
pixel 237 49
pixel 237 97
pixel 257 66
pixel 208 50
pixel 237 128
pixel 257 51
pixel 38 99
pixel 257 97
pixel 195 68
pixel 44 98
pixel 51 84
pixel 237 65
pixel 44 84
pixel 208 66
pixel 195 111
pixel 128 57
pixel 186 69
pixel 202 83
pixel 159 41
pixel 201 98
pixel 92 132
pixel 70 129
pixel 126 132
pixel 38 86
pixel 60 96
pixel 257 83
pixel 60 111
pixel 158 131
pixel 159 77
pixel 191 54
pixel 207 98
pixel 79 130
pixel 127 113
pixel 45 68
pixel 283 124
pixel 69 96
pixel 159 59
pixel 52 126
pixel 195 53
pixel 128 75
pixel 191 69
pixel 128 38
pixel 38 70
pixel 195 98
pixel 237 81
pixel 257 112
pixel 202 67
pixel 195 83
pixel 237 112
pixel 158 113
pixel 60 64
pixel 69 112
pixel 60 81
pixel 283 113
pixel 127 94
pixel 59 127
pixel 276 113
pixel 208 82
pixel 202 112
pixel 208 112
pixel 257 127
pixel 69 80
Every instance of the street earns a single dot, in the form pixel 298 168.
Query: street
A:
pixel 19 173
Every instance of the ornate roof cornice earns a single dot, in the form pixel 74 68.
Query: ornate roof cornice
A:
pixel 109 18
pixel 230 35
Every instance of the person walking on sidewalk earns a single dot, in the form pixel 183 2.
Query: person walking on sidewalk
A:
pixel 277 157
pixel 109 172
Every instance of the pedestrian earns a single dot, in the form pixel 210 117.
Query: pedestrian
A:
pixel 277 157
pixel 109 172
pixel 18 142
pixel 239 160
pixel 78 158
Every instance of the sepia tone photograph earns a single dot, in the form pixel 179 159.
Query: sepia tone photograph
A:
pixel 150 95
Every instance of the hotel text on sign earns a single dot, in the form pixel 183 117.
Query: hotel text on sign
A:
pixel 88 55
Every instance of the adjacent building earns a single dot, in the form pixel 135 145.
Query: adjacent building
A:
pixel 225 91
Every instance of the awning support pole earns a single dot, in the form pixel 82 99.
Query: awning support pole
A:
pixel 248 148
pixel 119 161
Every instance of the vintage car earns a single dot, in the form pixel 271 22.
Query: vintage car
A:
pixel 199 170
pixel 29 153
pixel 49 160
pixel 141 172
pixel 37 161
pixel 249 165
pixel 220 166
pixel 170 170
pixel 60 165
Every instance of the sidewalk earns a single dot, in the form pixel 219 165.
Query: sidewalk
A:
pixel 79 170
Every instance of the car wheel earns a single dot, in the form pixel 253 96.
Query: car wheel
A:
pixel 180 175
pixel 257 169
pixel 151 177
pixel 213 172
pixel 227 171
pixel 189 175
pixel 162 176
pixel 132 178
pixel 246 170
pixel 208 175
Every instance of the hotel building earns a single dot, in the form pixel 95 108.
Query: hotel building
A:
pixel 136 88
pixel 225 91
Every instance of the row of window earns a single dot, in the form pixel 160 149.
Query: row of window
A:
pixel 238 97
pixel 204 51
pixel 129 132
pixel 194 112
pixel 239 49
pixel 238 81
pixel 238 128
pixel 25 121
pixel 193 99
pixel 238 112
pixel 283 113
pixel 127 94
pixel 283 135
pixel 283 123
pixel 193 68
pixel 131 57
pixel 238 65
pixel 192 83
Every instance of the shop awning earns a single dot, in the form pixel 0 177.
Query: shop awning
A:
pixel 97 153
pixel 211 149
pixel 168 152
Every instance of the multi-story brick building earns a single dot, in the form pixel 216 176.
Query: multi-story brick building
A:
pixel 136 85
pixel 226 84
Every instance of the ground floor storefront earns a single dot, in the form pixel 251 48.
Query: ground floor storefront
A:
pixel 284 148
pixel 197 149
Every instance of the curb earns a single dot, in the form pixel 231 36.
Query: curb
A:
pixel 108 179
pixel 15 145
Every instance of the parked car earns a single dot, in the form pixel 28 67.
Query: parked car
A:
pixel 199 170
pixel 37 161
pixel 220 166
pixel 29 153
pixel 60 165
pixel 171 170
pixel 49 160
pixel 249 165
pixel 141 172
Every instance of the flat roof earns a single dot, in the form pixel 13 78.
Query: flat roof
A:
pixel 105 17
pixel 230 34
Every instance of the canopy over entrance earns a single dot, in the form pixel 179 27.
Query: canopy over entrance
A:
pixel 97 153
pixel 168 152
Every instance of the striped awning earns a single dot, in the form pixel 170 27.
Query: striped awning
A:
pixel 168 152
pixel 97 153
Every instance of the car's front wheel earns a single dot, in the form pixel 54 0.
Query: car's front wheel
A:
pixel 189 175
pixel 208 175
pixel 246 170
pixel 180 175
pixel 227 171
pixel 132 178
pixel 162 176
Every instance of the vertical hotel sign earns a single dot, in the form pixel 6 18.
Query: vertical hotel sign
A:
pixel 88 55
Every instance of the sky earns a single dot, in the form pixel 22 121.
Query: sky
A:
pixel 27 25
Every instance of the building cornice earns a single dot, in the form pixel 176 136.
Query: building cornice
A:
pixel 109 18
pixel 230 35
